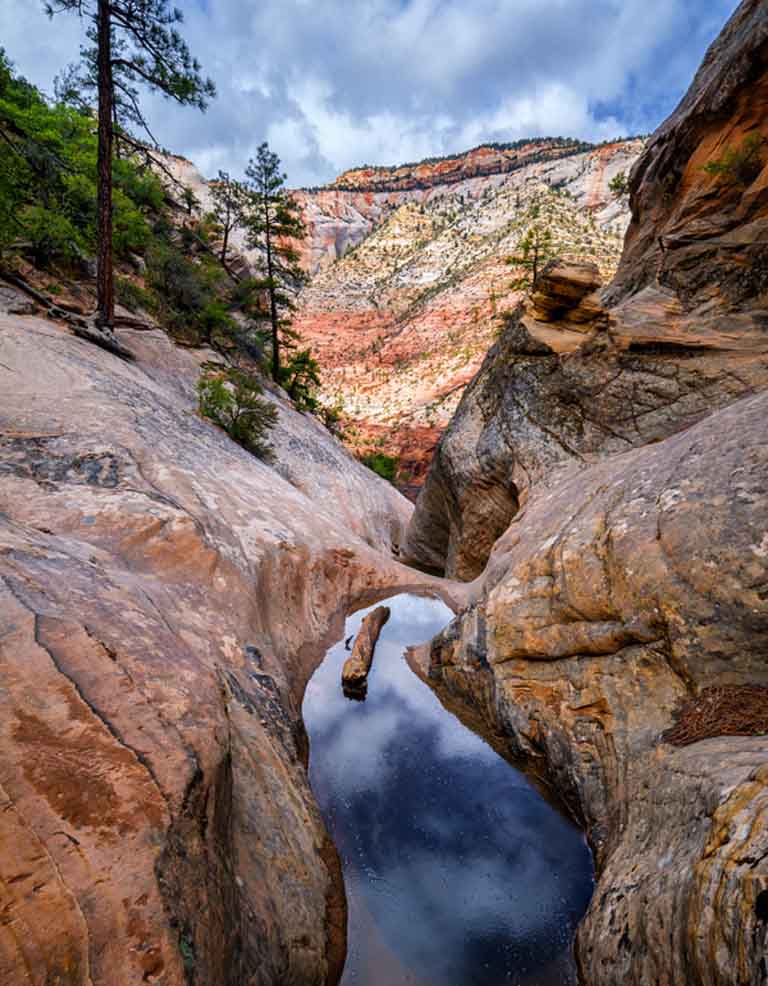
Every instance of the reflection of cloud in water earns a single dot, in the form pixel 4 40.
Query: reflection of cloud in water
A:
pixel 467 873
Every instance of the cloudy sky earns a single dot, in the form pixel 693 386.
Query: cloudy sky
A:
pixel 336 83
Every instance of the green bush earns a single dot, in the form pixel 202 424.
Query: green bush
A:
pixel 134 297
pixel 48 179
pixel 301 377
pixel 232 399
pixel 739 165
pixel 50 235
pixel 383 465
pixel 619 185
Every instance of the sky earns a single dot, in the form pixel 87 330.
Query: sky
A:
pixel 333 84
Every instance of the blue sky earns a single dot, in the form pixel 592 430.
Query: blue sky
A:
pixel 336 83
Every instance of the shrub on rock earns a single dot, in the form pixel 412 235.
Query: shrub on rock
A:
pixel 232 399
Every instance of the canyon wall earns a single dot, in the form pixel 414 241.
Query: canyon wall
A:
pixel 411 273
pixel 401 322
pixel 164 598
pixel 603 481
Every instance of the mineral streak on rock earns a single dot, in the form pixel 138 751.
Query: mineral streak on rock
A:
pixel 354 674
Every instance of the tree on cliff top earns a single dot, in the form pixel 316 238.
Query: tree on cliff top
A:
pixel 274 224
pixel 535 250
pixel 136 43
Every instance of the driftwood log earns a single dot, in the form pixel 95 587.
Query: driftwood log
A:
pixel 354 677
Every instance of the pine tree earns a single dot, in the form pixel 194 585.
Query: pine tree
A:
pixel 229 203
pixel 301 377
pixel 274 224
pixel 136 43
pixel 536 249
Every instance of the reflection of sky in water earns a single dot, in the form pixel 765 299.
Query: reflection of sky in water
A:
pixel 457 871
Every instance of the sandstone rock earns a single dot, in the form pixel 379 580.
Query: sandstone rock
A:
pixel 13 302
pixel 164 597
pixel 626 595
pixel 682 332
pixel 633 586
pixel 562 289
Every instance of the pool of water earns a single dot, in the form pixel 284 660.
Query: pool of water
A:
pixel 457 871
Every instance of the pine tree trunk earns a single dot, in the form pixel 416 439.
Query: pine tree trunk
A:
pixel 105 298
pixel 272 304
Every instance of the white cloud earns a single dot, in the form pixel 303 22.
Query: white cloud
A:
pixel 333 84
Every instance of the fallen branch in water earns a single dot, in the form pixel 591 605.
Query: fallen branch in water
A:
pixel 354 677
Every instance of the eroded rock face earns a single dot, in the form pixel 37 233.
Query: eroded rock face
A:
pixel 680 332
pixel 636 584
pixel 627 459
pixel 163 599
pixel 401 324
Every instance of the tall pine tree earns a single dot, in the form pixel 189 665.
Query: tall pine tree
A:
pixel 274 225
pixel 136 42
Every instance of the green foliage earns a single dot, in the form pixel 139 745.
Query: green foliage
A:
pixel 187 949
pixel 147 50
pixel 740 165
pixel 331 415
pixel 48 180
pixel 273 220
pixel 229 204
pixel 301 377
pixel 134 297
pixel 231 399
pixel 188 294
pixel 619 184
pixel 49 234
pixel 382 464
pixel 536 249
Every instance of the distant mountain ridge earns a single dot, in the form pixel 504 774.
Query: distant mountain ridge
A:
pixel 489 158
pixel 411 274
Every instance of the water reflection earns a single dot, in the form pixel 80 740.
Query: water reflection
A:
pixel 457 872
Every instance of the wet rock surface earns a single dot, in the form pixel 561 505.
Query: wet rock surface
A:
pixel 163 600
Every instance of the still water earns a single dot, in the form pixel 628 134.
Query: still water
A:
pixel 457 872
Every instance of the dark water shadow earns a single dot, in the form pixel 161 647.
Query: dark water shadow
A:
pixel 457 871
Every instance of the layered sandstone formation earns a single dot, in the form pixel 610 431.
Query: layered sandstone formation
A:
pixel 411 272
pixel 611 457
pixel 401 322
pixel 163 599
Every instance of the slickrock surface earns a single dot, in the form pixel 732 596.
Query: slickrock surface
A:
pixel 622 463
pixel 610 600
pixel 401 322
pixel 163 599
